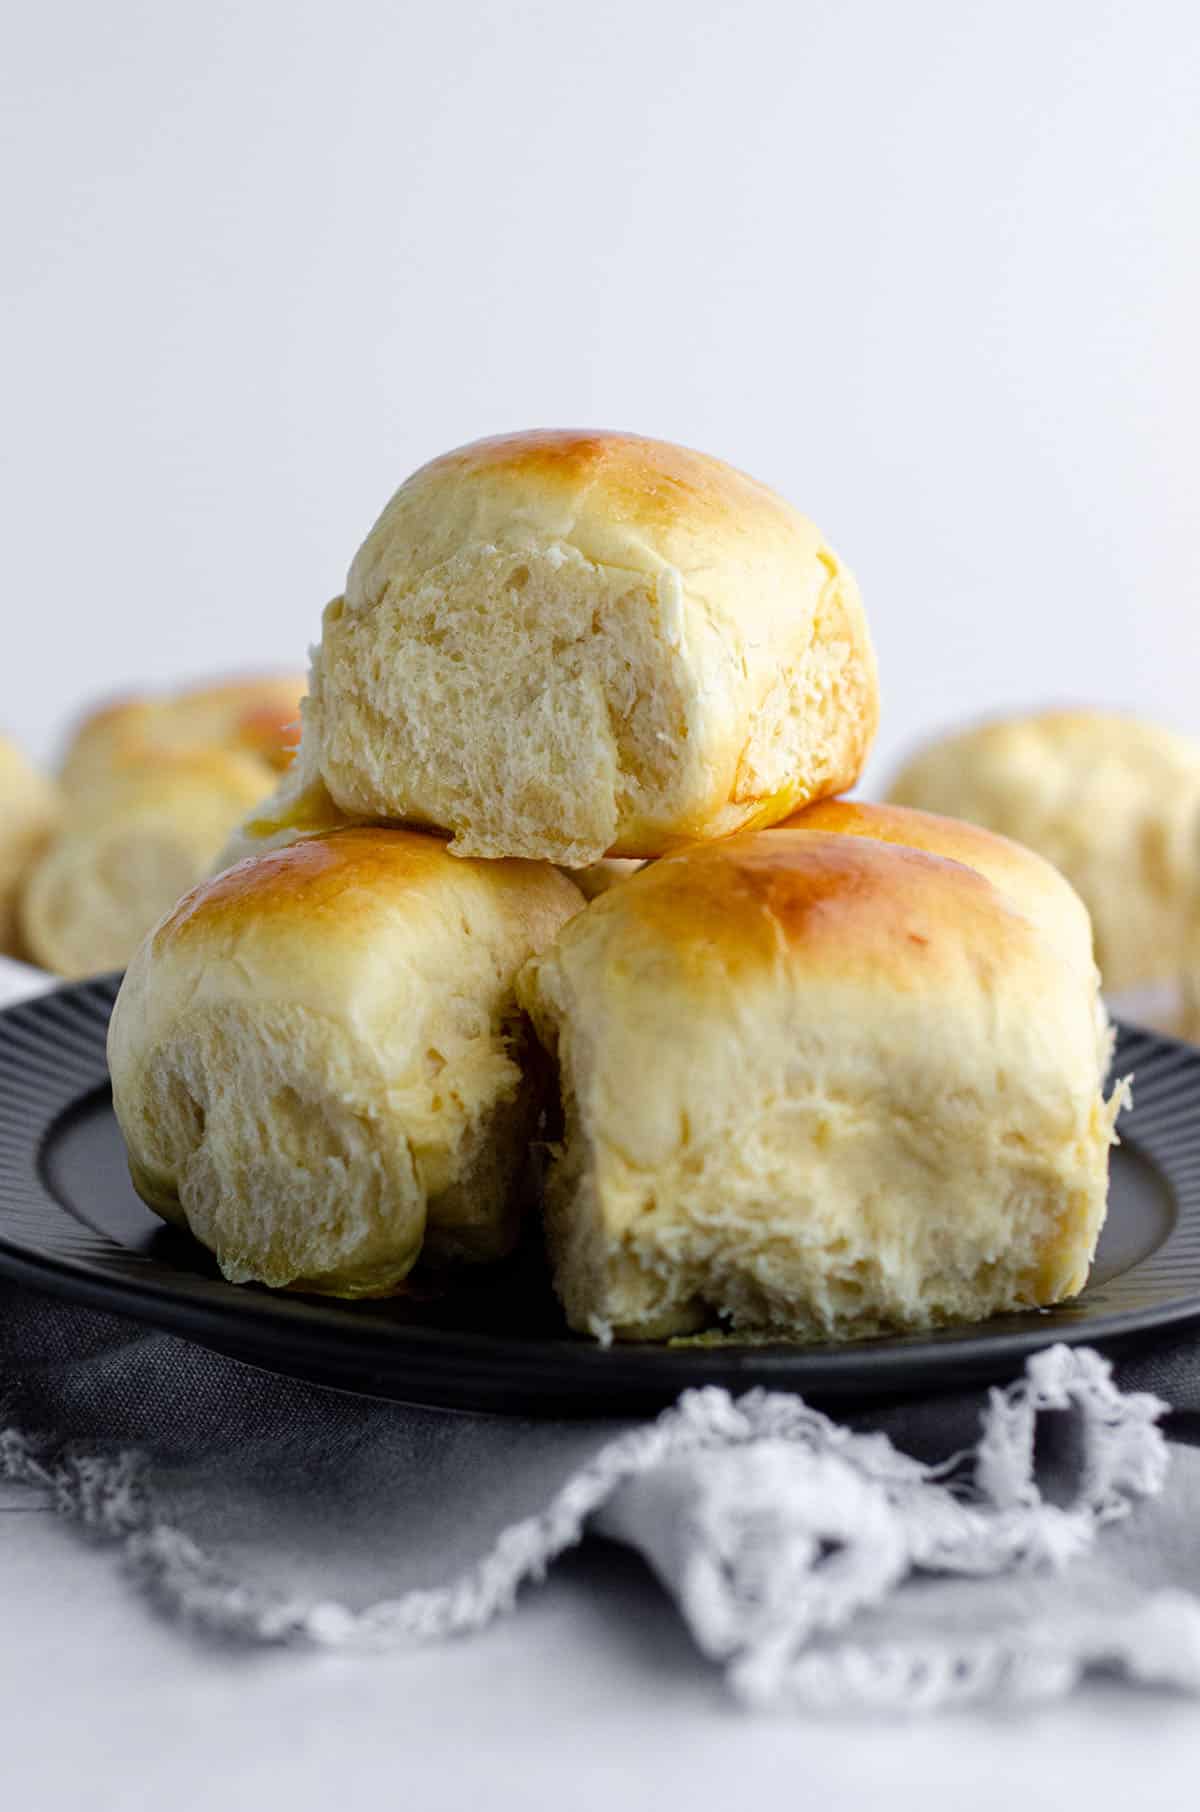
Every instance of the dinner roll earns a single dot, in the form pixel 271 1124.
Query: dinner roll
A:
pixel 318 1065
pixel 821 1086
pixel 28 810
pixel 571 645
pixel 1112 802
pixel 257 717
pixel 132 839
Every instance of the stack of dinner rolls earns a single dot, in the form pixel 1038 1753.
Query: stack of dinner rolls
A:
pixel 149 790
pixel 560 860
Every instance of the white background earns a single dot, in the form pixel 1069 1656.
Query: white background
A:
pixel 932 269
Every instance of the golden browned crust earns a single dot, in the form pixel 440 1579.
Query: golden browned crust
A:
pixel 334 883
pixel 729 909
pixel 1034 885
pixel 637 484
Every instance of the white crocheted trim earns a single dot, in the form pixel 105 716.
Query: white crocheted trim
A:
pixel 773 1528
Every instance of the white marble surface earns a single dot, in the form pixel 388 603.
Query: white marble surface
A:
pixel 590 1697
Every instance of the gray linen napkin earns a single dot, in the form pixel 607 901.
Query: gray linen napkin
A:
pixel 942 1551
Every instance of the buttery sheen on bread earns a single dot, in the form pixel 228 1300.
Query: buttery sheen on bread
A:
pixel 299 807
pixel 317 1061
pixel 820 1085
pixel 28 813
pixel 1034 885
pixel 572 645
pixel 1111 801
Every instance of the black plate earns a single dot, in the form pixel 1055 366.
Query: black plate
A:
pixel 71 1223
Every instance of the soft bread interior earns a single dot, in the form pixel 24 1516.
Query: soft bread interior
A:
pixel 269 1133
pixel 318 1064
pixel 575 719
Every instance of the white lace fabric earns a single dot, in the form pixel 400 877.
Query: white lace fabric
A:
pixel 785 1540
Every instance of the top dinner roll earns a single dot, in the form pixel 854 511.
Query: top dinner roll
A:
pixel 571 645
pixel 1111 801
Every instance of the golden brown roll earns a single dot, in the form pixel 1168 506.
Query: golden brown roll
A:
pixel 571 645
pixel 258 717
pixel 1112 802
pixel 317 1062
pixel 819 1085
pixel 129 843
pixel 28 813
